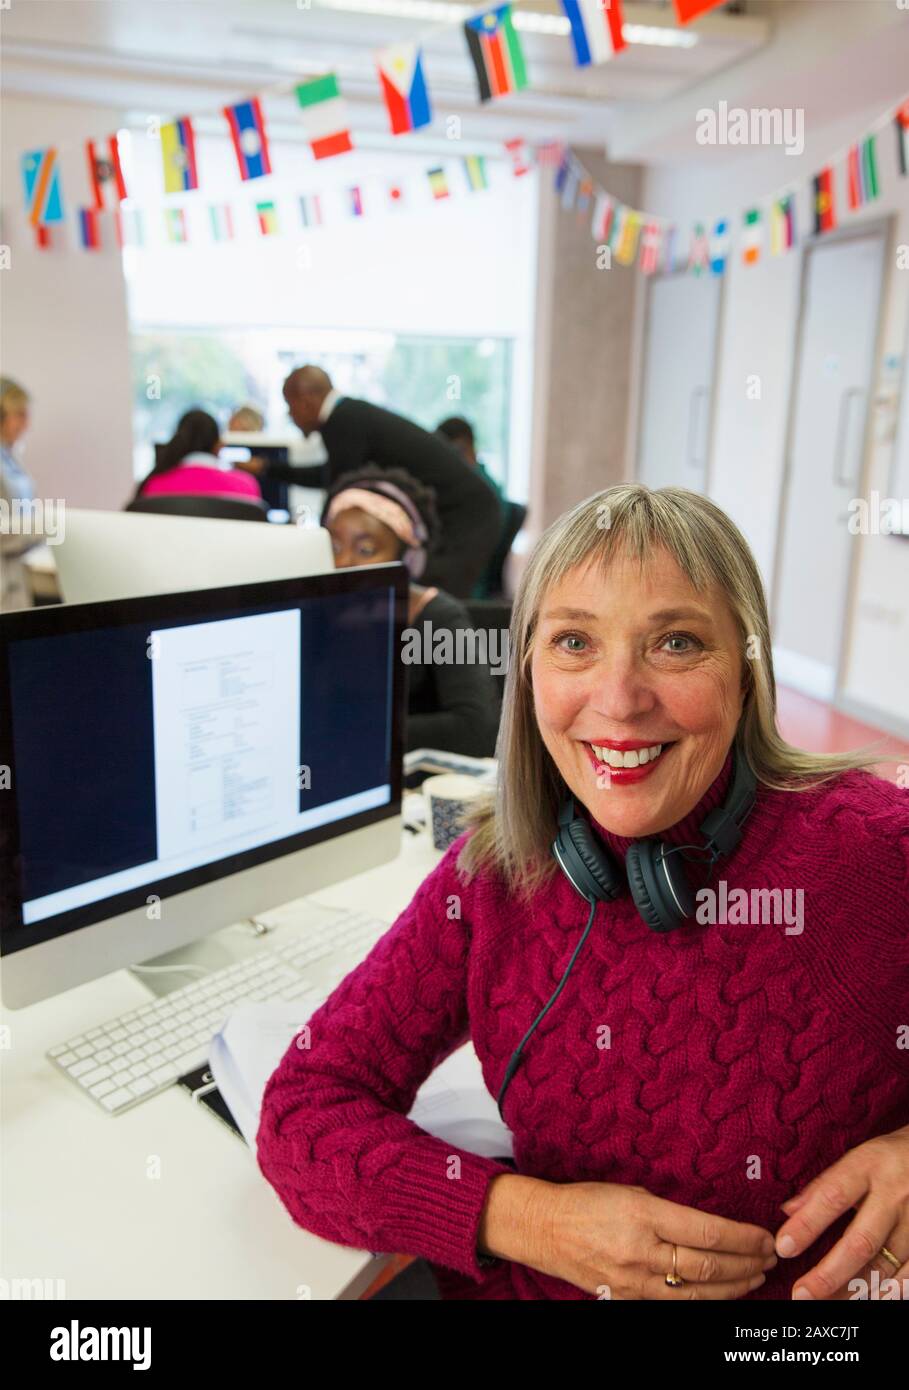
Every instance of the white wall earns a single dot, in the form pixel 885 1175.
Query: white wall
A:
pixel 758 336
pixel 63 323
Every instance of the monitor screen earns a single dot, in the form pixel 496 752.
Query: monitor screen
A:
pixel 155 744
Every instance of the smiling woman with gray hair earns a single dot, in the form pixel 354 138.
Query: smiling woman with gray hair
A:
pixel 706 1102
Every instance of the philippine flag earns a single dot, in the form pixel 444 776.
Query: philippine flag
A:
pixel 404 87
pixel 596 29
pixel 247 129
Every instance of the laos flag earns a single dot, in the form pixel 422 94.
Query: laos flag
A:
pixel 247 130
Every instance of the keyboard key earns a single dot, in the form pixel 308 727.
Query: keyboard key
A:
pixel 116 1099
pixel 85 1050
pixel 91 1078
pixel 80 1068
pixel 102 1089
pixel 66 1059
pixel 141 1086
pixel 104 1055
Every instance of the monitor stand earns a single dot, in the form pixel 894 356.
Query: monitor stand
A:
pixel 221 949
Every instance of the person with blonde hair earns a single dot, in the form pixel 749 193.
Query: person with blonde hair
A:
pixel 16 487
pixel 246 420
pixel 679 944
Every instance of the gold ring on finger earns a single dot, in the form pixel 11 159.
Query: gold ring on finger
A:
pixel 674 1279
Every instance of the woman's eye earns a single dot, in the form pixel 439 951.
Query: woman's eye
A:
pixel 689 643
pixel 570 637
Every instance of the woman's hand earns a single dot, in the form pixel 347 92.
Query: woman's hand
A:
pixel 603 1236
pixel 874 1179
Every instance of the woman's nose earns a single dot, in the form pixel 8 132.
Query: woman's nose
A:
pixel 620 690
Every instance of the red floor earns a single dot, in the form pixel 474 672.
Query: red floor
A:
pixel 813 725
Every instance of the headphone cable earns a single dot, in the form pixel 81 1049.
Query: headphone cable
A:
pixel 516 1055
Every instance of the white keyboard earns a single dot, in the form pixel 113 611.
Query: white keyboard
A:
pixel 133 1057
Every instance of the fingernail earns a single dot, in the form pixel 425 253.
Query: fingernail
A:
pixel 769 1264
pixel 786 1246
pixel 802 1292
pixel 757 1281
pixel 768 1247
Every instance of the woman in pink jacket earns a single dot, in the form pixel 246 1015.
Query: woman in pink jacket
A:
pixel 188 463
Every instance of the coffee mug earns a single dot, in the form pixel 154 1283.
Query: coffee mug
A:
pixel 449 797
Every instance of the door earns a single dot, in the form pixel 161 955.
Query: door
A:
pixel 829 411
pixel 674 434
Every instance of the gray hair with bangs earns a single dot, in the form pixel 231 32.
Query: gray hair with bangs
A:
pixel 513 829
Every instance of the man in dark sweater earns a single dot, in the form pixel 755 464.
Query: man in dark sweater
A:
pixel 356 432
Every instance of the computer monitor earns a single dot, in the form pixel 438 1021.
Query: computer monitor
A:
pixel 239 445
pixel 110 555
pixel 175 763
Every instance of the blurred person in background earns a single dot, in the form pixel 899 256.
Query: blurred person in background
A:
pixel 189 463
pixel 16 487
pixel 375 516
pixel 246 420
pixel 356 433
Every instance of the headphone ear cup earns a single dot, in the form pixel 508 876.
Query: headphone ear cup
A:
pixel 660 892
pixel 588 866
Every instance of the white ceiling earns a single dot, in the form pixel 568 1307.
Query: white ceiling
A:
pixel 176 57
pixel 186 56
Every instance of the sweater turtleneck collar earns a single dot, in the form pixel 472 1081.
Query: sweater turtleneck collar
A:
pixel 685 831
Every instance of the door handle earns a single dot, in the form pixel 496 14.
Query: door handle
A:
pixel 694 420
pixel 839 445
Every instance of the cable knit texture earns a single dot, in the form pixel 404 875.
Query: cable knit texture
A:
pixel 743 1060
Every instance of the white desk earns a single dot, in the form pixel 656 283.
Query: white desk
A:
pixel 80 1201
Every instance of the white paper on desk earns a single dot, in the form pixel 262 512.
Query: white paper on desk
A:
pixel 452 1104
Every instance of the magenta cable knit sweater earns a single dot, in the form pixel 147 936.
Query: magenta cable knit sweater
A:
pixel 743 1060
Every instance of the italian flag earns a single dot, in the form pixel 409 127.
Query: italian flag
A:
pixel 751 242
pixel 324 116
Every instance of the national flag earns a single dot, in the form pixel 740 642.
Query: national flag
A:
pixel 566 182
pixel 669 248
pixel 627 242
pixel 90 229
pixel 550 154
pixel 585 191
pixel 475 169
pixel 782 224
pixel 130 227
pixel 48 237
pixel 175 225
pixel 861 168
pixel 310 209
pixel 520 156
pixel 596 29
pixel 699 251
pixel 105 172
pixel 247 131
pixel 438 183
pixel 43 194
pixel 719 246
pixel 651 238
pixel 404 87
pixel 178 154
pixel 686 10
pixel 494 47
pixel 396 195
pixel 222 221
pixel 617 227
pixel 754 235
pixel 901 125
pixel 324 116
pixel 824 210
pixel 356 202
pixel 603 214
pixel 267 215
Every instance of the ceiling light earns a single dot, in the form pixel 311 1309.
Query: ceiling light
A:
pixel 530 21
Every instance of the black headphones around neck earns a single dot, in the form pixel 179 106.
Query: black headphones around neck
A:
pixel 656 880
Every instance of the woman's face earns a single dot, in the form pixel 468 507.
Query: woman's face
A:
pixel 360 539
pixel 14 424
pixel 629 661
